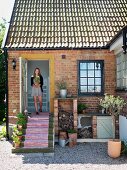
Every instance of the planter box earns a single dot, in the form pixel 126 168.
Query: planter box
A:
pixel 122 127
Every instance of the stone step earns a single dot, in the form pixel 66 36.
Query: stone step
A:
pixel 49 150
pixel 41 124
pixel 36 136
pixel 36 130
pixel 36 143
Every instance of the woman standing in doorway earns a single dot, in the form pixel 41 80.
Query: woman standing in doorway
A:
pixel 37 83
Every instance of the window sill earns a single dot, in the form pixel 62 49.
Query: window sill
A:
pixel 121 90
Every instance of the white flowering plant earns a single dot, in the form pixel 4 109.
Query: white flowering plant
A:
pixel 113 105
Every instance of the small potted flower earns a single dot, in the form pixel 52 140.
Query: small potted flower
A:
pixel 72 134
pixel 82 108
pixel 62 86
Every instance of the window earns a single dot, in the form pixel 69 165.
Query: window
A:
pixel 121 71
pixel 91 78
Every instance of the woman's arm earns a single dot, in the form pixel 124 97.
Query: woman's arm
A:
pixel 32 81
pixel 41 80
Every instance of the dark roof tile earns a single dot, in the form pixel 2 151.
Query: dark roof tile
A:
pixel 65 23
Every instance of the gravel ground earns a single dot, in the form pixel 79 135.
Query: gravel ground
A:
pixel 85 156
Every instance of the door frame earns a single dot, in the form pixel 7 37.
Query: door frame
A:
pixel 50 58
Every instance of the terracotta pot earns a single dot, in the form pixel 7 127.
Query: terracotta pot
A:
pixel 20 127
pixel 71 144
pixel 16 145
pixel 62 135
pixel 72 135
pixel 72 139
pixel 20 137
pixel 114 148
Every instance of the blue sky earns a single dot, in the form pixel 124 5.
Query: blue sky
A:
pixel 6 7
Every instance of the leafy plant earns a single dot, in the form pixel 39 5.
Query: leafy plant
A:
pixel 22 122
pixel 22 119
pixel 16 131
pixel 81 107
pixel 112 104
pixel 61 85
pixel 3 132
pixel 15 138
pixel 71 131
pixel 21 116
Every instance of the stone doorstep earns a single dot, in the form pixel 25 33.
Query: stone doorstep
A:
pixel 37 125
pixel 46 151
pixel 33 137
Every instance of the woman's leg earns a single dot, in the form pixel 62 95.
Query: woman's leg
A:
pixel 35 103
pixel 40 102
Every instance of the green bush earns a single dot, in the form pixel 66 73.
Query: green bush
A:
pixel 2 88
pixel 3 132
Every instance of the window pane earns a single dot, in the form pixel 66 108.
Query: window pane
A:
pixel 83 81
pixel 97 88
pixel 90 88
pixel 83 65
pixel 83 89
pixel 97 81
pixel 97 65
pixel 83 73
pixel 90 81
pixel 91 76
pixel 98 73
pixel 90 73
pixel 90 65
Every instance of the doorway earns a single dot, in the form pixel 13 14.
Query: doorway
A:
pixel 44 68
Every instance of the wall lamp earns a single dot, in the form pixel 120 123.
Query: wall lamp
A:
pixel 14 64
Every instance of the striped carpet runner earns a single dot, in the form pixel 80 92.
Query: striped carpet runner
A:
pixel 37 131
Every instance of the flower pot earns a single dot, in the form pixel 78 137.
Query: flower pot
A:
pixel 16 145
pixel 20 138
pixel 62 135
pixel 72 135
pixel 114 148
pixel 20 127
pixel 63 93
pixel 72 139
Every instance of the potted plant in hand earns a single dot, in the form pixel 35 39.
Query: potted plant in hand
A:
pixel 82 108
pixel 62 86
pixel 72 134
pixel 113 106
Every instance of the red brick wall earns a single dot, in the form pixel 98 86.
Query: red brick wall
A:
pixel 65 69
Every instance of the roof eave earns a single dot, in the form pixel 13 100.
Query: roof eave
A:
pixel 59 48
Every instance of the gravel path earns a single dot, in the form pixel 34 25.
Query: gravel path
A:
pixel 85 156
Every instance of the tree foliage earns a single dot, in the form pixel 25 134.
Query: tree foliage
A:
pixel 2 74
pixel 2 32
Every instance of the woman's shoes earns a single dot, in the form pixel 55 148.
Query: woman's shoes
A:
pixel 40 110
pixel 37 113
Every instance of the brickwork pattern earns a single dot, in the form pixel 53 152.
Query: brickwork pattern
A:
pixel 66 69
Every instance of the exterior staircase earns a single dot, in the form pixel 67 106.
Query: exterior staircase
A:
pixel 39 135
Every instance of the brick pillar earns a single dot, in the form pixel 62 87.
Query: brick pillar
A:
pixel 56 116
pixel 75 113
pixel 94 126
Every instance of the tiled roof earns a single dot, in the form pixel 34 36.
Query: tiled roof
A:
pixel 65 23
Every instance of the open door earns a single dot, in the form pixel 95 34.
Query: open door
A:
pixel 23 84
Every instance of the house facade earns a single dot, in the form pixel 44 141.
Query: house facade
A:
pixel 67 40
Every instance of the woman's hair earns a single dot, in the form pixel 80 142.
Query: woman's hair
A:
pixel 35 71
